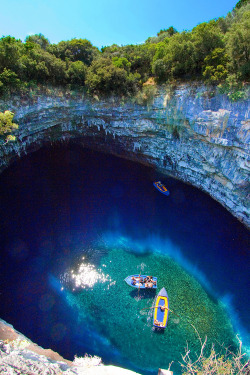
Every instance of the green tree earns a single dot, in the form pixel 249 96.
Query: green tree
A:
pixel 241 3
pixel 121 62
pixel 10 52
pixel 8 80
pixel 76 72
pixel 175 57
pixel 75 50
pixel 7 125
pixel 103 77
pixel 42 66
pixel 170 31
pixel 38 39
pixel 139 58
pixel 206 37
pixel 215 66
pixel 238 44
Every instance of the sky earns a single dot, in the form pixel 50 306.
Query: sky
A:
pixel 105 22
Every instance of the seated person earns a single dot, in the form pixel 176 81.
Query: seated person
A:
pixel 163 307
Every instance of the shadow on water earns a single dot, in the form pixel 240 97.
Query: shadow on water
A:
pixel 146 252
pixel 211 296
pixel 142 293
pixel 159 331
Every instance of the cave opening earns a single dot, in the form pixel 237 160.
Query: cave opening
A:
pixel 66 207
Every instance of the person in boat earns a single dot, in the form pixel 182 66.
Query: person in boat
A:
pixel 157 323
pixel 138 278
pixel 163 307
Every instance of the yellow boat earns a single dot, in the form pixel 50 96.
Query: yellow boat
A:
pixel 161 309
pixel 162 188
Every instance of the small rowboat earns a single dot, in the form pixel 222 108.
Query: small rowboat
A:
pixel 161 309
pixel 162 188
pixel 142 281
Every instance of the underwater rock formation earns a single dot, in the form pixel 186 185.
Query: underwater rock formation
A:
pixel 187 132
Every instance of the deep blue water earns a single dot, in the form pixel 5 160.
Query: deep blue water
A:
pixel 61 204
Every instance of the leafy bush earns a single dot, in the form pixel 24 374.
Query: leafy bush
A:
pixel 74 50
pixel 10 52
pixel 224 363
pixel 38 39
pixel 147 94
pixel 103 77
pixel 7 125
pixel 8 80
pixel 215 66
pixel 121 62
pixel 238 44
pixel 174 58
pixel 76 72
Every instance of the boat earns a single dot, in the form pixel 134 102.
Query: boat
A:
pixel 161 309
pixel 142 281
pixel 161 187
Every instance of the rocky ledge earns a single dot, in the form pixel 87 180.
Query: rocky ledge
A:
pixel 188 132
pixel 19 355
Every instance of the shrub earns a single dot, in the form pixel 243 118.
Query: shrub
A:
pixel 226 363
pixel 147 94
pixel 76 72
pixel 103 77
pixel 215 70
pixel 8 80
pixel 7 125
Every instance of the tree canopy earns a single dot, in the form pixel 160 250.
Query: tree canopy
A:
pixel 216 51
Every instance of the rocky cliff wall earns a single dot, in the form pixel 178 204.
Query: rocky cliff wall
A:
pixel 187 132
pixel 19 355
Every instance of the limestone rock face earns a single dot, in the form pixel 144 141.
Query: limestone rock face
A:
pixel 185 132
pixel 19 355
pixel 18 360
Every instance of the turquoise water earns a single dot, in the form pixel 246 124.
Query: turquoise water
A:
pixel 76 223
pixel 123 314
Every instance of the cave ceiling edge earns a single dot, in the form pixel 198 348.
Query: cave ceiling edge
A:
pixel 200 139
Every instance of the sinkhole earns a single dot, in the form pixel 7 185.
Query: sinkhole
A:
pixel 76 222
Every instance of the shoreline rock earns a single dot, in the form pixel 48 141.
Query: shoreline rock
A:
pixel 19 355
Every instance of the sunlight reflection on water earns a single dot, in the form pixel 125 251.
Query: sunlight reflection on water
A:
pixel 85 276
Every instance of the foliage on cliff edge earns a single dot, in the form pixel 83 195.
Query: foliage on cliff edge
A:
pixel 224 363
pixel 7 126
pixel 217 51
